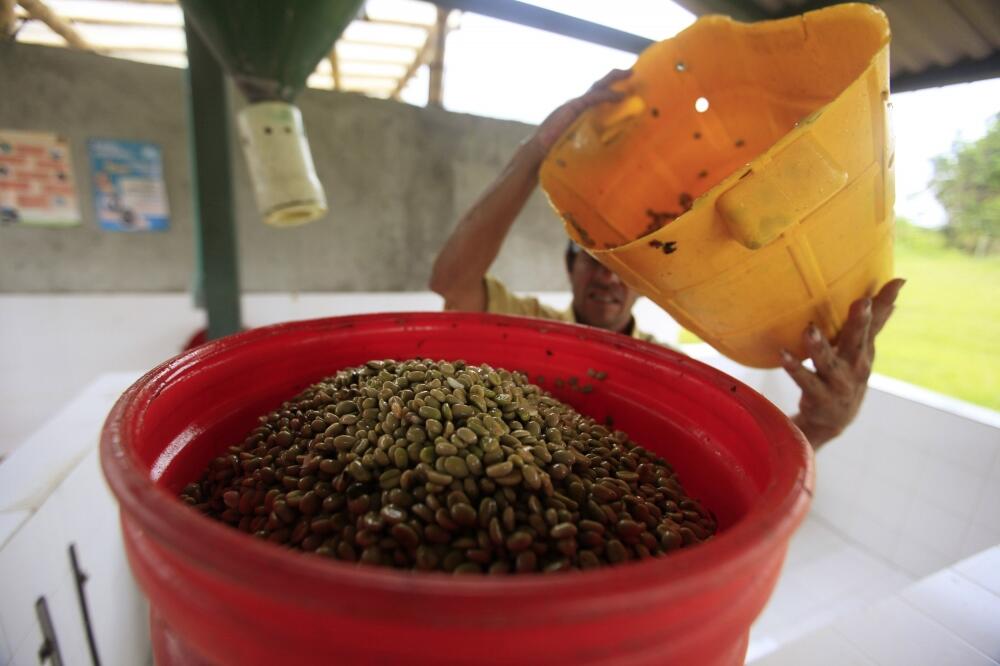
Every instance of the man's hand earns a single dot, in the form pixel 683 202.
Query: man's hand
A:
pixel 559 120
pixel 474 244
pixel 832 395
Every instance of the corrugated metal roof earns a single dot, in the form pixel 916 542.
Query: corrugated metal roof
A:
pixel 934 42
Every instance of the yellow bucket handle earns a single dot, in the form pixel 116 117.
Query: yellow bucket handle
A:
pixel 761 206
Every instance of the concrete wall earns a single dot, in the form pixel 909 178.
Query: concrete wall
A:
pixel 397 177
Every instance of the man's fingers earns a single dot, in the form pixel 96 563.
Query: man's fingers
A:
pixel 882 305
pixel 829 367
pixel 852 343
pixel 598 96
pixel 806 380
pixel 611 77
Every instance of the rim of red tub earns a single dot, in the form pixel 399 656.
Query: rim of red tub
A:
pixel 269 569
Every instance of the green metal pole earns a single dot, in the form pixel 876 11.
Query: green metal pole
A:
pixel 215 226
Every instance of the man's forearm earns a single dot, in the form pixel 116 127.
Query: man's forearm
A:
pixel 476 241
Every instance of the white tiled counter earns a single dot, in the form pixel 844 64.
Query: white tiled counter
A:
pixel 53 495
pixel 909 490
pixel 949 618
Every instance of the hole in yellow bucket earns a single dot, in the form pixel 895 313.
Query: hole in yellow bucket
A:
pixel 701 105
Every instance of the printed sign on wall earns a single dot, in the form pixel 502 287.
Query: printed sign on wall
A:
pixel 36 180
pixel 129 192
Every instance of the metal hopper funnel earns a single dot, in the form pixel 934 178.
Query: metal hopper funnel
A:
pixel 270 48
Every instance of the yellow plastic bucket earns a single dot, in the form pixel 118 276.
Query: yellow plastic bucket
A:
pixel 745 183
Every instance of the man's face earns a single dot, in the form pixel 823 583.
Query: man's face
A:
pixel 600 298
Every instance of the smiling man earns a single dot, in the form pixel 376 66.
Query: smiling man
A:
pixel 831 395
pixel 600 298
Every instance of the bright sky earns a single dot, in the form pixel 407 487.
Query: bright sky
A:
pixel 498 69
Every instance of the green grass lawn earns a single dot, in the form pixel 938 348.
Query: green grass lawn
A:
pixel 945 332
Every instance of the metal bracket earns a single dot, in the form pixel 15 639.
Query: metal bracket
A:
pixel 80 578
pixel 49 649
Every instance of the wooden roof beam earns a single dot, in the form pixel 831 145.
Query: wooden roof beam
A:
pixel 334 66
pixel 39 11
pixel 435 90
pixel 8 19
pixel 418 60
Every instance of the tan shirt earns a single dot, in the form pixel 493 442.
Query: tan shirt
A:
pixel 500 300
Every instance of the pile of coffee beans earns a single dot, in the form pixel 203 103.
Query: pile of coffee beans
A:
pixel 439 466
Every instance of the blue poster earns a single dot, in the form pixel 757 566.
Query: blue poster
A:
pixel 129 192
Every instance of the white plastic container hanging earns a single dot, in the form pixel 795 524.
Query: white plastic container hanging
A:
pixel 285 184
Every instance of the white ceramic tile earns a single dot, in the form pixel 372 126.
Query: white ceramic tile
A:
pixel 66 620
pixel 770 621
pixel 90 520
pixel 979 538
pixel 884 499
pixel 957 410
pixel 884 452
pixel 813 540
pixel 6 649
pixel 956 489
pixel 875 537
pixel 988 510
pixel 977 449
pixel 918 559
pixel 850 572
pixel 995 439
pixel 87 511
pixel 822 648
pixel 25 652
pixel 39 465
pixel 835 506
pixel 906 471
pixel 922 428
pixel 10 521
pixel 760 645
pixel 816 618
pixel 983 569
pixel 812 593
pixel 64 611
pixel 892 632
pixel 790 599
pixel 969 611
pixel 929 524
pixel 34 562
pixel 852 447
pixel 839 476
pixel 829 578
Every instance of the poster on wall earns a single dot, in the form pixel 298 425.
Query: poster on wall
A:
pixel 129 192
pixel 36 180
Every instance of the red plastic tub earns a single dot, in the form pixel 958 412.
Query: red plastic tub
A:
pixel 219 596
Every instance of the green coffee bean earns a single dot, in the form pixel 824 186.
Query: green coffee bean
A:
pixel 449 467
pixel 443 448
pixel 456 467
pixel 358 471
pixel 439 478
pixel 463 514
pixel 563 530
pixel 389 479
pixel 499 469
pixel 430 413
pixel 519 541
pixel 526 562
